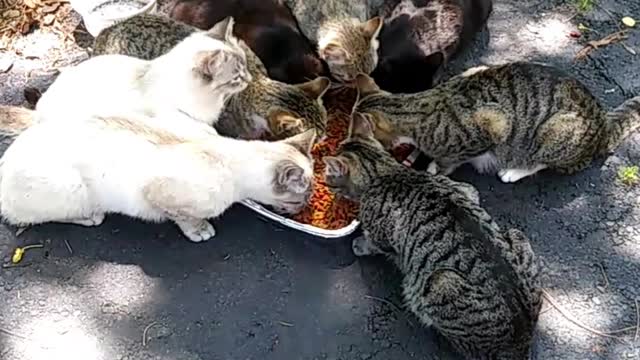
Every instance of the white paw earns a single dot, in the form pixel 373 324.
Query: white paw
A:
pixel 203 231
pixel 95 220
pixel 511 175
pixel 433 168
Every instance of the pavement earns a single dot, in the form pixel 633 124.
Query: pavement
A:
pixel 136 291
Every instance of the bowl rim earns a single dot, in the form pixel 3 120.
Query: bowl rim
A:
pixel 143 9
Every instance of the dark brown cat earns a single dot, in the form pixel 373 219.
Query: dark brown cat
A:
pixel 420 37
pixel 266 26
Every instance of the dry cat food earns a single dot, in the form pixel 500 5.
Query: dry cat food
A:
pixel 327 210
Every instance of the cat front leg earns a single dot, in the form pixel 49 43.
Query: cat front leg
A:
pixel 184 202
pixel 436 167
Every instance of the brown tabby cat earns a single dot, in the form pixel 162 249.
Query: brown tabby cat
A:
pixel 266 108
pixel 474 283
pixel 346 38
pixel 517 118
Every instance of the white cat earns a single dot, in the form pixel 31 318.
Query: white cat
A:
pixel 78 171
pixel 193 80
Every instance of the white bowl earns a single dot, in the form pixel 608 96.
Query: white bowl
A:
pixel 100 14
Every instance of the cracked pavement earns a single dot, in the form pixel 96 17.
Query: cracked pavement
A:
pixel 258 291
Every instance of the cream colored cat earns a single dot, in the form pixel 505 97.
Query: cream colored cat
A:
pixel 193 80
pixel 78 171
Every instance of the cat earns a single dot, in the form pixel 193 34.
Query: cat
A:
pixel 267 27
pixel 420 37
pixel 516 119
pixel 346 36
pixel 267 108
pixel 192 82
pixel 153 174
pixel 475 284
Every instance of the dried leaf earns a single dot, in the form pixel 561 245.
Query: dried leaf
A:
pixel 25 28
pixel 11 14
pixel 50 8
pixel 32 95
pixel 629 21
pixel 29 3
pixel 48 19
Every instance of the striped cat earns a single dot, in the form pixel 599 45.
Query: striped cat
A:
pixel 517 118
pixel 475 284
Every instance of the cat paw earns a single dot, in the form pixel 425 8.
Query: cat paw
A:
pixel 198 232
pixel 512 175
pixel 433 168
pixel 94 220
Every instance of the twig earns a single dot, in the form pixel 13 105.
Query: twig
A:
pixel 144 333
pixel 21 264
pixel 571 318
pixel 66 242
pixel 596 44
pixel 393 306
pixel 284 323
pixel 20 231
pixel 604 275
pixel 635 338
pixel 11 333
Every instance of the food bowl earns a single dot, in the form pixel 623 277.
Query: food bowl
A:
pixel 100 14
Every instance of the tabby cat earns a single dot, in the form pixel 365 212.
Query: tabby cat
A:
pixel 266 26
pixel 517 118
pixel 151 173
pixel 474 283
pixel 266 108
pixel 420 37
pixel 192 81
pixel 346 38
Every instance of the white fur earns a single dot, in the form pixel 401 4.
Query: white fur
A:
pixel 514 175
pixel 485 163
pixel 77 172
pixel 118 84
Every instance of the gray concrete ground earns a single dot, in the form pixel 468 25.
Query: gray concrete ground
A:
pixel 260 292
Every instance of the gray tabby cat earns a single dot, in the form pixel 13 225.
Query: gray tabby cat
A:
pixel 346 38
pixel 266 108
pixel 517 118
pixel 474 283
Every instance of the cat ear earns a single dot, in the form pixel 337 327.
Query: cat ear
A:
pixel 303 142
pixel 223 30
pixel 335 166
pixel 316 88
pixel 366 85
pixel 291 176
pixel 208 62
pixel 360 126
pixel 372 27
pixel 334 53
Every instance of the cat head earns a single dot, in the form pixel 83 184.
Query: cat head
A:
pixel 370 106
pixel 350 47
pixel 359 160
pixel 291 173
pixel 293 109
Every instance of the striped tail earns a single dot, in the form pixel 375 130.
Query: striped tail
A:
pixel 14 120
pixel 621 122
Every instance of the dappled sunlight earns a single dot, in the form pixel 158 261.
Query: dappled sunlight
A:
pixel 123 284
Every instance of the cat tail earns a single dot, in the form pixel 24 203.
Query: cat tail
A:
pixel 14 120
pixel 621 122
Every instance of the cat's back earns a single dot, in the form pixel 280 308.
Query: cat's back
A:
pixel 311 14
pixel 144 36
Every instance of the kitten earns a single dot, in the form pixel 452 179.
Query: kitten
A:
pixel 475 284
pixel 153 174
pixel 192 81
pixel 346 38
pixel 266 26
pixel 517 118
pixel 420 37
pixel 266 108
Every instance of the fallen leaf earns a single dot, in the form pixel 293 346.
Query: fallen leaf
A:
pixel 32 95
pixel 50 8
pixel 6 63
pixel 48 19
pixel 575 34
pixel 628 21
pixel 583 27
pixel 29 3
pixel 11 14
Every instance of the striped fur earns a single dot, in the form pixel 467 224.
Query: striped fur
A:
pixel 265 108
pixel 463 275
pixel 523 116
